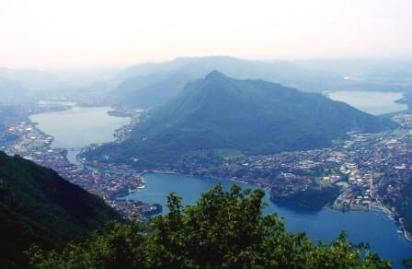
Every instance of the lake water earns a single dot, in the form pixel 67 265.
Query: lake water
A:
pixel 82 126
pixel 371 227
pixel 79 127
pixel 375 103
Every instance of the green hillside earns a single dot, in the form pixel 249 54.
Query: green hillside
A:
pixel 250 116
pixel 38 206
pixel 152 84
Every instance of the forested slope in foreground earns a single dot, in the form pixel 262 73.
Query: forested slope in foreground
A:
pixel 38 206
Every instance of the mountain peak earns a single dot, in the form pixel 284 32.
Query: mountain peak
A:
pixel 214 75
pixel 251 116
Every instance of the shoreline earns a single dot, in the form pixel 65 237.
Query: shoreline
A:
pixel 382 210
pixel 117 138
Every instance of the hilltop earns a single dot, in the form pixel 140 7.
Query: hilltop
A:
pixel 153 84
pixel 247 116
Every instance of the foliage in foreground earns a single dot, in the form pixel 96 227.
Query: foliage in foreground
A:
pixel 222 230
pixel 407 263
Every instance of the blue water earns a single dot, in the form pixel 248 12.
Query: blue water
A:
pixel 375 103
pixel 78 127
pixel 369 227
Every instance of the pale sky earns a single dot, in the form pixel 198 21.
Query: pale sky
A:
pixel 85 33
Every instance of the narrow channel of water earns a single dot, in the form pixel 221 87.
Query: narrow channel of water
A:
pixel 80 127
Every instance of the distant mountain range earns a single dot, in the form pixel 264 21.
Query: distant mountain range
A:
pixel 246 116
pixel 11 92
pixel 152 84
pixel 38 206
pixel 148 85
pixel 33 80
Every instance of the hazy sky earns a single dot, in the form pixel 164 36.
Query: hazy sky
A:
pixel 75 33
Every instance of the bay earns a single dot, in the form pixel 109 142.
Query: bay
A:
pixel 375 103
pixel 82 126
pixel 374 228
pixel 79 127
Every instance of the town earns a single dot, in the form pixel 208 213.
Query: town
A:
pixel 110 183
pixel 370 170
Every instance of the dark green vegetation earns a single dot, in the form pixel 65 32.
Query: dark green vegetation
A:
pixel 403 206
pixel 38 206
pixel 398 190
pixel 243 116
pixel 407 263
pixel 403 203
pixel 312 199
pixel 222 230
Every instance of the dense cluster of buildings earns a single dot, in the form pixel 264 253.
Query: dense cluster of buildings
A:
pixel 109 183
pixel 371 170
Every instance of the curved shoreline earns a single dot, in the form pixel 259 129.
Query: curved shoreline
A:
pixel 382 210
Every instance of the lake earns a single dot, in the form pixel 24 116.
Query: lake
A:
pixel 375 103
pixel 82 126
pixel 79 127
pixel 372 227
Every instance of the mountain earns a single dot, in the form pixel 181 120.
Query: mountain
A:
pixel 250 116
pixel 152 84
pixel 12 92
pixel 33 80
pixel 151 90
pixel 38 206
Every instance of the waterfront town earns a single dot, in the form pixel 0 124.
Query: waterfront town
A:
pixel 110 183
pixel 370 170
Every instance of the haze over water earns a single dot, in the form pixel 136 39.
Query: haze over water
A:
pixel 375 103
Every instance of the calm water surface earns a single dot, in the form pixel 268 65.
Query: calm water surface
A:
pixel 82 126
pixel 375 103
pixel 79 127
pixel 371 227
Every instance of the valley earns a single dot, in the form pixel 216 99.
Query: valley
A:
pixel 33 143
pixel 287 173
pixel 213 134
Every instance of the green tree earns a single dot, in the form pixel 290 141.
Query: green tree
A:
pixel 222 230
